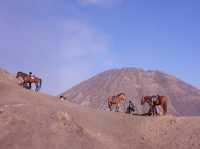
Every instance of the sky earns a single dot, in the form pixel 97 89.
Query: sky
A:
pixel 67 41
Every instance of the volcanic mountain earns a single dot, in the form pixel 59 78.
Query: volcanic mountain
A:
pixel 184 99
pixel 30 120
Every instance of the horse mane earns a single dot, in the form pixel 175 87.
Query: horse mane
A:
pixel 21 72
pixel 120 94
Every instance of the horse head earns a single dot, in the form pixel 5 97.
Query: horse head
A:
pixel 145 99
pixel 18 74
pixel 122 96
pixel 21 74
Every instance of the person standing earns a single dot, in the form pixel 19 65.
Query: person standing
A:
pixel 130 108
pixel 30 78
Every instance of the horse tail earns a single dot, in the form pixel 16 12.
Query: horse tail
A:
pixel 17 76
pixel 142 100
pixel 165 108
pixel 109 103
pixel 40 83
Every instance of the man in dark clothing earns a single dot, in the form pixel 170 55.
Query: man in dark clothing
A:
pixel 130 108
pixel 154 100
pixel 31 77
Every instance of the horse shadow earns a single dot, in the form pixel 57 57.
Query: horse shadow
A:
pixel 139 114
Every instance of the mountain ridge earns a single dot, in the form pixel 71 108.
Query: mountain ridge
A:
pixel 136 83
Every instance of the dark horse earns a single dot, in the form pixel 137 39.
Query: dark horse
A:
pixel 160 101
pixel 29 80
pixel 116 101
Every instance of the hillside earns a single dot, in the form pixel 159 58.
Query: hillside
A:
pixel 184 98
pixel 34 120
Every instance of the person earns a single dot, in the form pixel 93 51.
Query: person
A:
pixel 154 100
pixel 30 75
pixel 130 108
pixel 157 110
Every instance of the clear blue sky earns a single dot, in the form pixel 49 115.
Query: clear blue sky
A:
pixel 67 41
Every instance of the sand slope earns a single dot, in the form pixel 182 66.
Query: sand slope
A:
pixel 30 120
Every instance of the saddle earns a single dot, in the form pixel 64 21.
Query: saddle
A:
pixel 113 98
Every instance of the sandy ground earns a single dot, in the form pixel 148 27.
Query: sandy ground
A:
pixel 30 120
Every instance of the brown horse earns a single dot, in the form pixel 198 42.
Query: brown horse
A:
pixel 160 101
pixel 116 101
pixel 29 80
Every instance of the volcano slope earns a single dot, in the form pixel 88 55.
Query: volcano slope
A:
pixel 38 121
pixel 184 99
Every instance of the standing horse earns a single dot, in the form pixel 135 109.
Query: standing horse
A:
pixel 160 101
pixel 29 80
pixel 116 101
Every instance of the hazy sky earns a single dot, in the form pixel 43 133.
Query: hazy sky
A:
pixel 67 41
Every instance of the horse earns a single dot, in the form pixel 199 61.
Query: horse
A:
pixel 29 80
pixel 116 100
pixel 160 101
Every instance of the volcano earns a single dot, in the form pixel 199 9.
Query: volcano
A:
pixel 184 99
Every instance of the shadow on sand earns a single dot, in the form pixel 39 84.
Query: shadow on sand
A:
pixel 137 114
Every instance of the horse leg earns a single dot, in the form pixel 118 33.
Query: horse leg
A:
pixel 155 110
pixel 151 111
pixel 155 113
pixel 110 106
pixel 117 108
pixel 36 87
pixel 23 84
pixel 29 85
pixel 159 112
